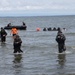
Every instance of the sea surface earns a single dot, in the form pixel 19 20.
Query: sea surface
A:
pixel 40 50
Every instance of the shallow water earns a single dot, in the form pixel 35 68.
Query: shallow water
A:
pixel 40 52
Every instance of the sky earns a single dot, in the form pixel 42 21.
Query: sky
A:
pixel 36 7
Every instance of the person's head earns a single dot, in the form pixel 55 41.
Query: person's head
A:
pixel 1 27
pixel 59 33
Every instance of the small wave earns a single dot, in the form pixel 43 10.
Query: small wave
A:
pixel 66 52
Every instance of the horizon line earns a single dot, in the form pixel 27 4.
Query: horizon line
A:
pixel 34 15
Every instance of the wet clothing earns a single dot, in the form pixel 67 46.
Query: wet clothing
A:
pixel 3 34
pixel 13 31
pixel 60 38
pixel 0 34
pixel 17 44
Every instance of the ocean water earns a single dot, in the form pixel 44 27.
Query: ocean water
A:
pixel 40 51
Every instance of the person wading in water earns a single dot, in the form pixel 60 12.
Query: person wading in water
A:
pixel 17 44
pixel 3 34
pixel 60 38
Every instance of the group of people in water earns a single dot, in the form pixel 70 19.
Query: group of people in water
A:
pixel 60 39
pixel 16 39
pixel 52 29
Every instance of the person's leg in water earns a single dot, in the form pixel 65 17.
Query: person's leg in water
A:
pixel 60 48
pixel 64 47
pixel 15 48
pixel 4 38
pixel 19 48
pixel 1 39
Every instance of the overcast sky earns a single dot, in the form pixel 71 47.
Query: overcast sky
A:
pixel 36 7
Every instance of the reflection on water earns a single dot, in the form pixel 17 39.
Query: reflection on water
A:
pixel 3 44
pixel 17 58
pixel 61 64
pixel 17 64
pixel 61 59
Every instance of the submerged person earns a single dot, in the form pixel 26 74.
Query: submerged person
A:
pixel 49 29
pixel 59 29
pixel 17 44
pixel 44 29
pixel 3 34
pixel 60 38
pixel 54 29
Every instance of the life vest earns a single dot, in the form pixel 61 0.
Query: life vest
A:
pixel 13 31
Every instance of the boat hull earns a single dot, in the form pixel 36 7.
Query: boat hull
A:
pixel 17 27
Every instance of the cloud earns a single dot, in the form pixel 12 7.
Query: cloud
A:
pixel 37 5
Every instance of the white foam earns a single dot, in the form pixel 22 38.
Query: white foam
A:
pixel 66 52
pixel 73 47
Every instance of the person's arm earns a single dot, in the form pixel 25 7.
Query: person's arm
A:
pixel 20 40
pixel 64 38
pixel 5 33
pixel 56 38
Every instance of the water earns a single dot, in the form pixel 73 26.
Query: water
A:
pixel 40 55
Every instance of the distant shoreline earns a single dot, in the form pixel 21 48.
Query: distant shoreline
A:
pixel 39 16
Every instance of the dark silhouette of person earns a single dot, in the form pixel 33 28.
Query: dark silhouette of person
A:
pixel 49 29
pixel 9 24
pixel 60 38
pixel 54 29
pixel 3 34
pixel 23 23
pixel 17 44
pixel 59 29
pixel 44 29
